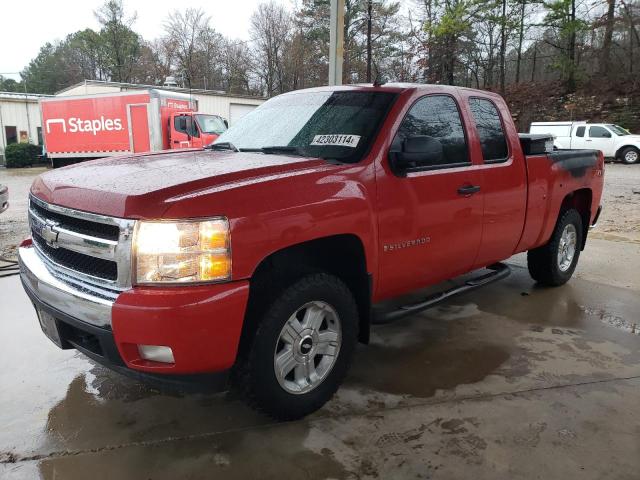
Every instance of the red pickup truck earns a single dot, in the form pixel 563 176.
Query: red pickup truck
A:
pixel 269 254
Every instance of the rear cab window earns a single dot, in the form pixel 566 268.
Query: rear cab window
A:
pixel 490 130
pixel 580 132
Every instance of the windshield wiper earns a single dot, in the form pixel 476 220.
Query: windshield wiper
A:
pixel 223 146
pixel 283 149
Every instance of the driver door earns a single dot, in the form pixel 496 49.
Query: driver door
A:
pixel 430 218
pixel 183 129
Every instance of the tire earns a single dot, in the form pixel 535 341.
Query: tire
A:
pixel 300 389
pixel 630 155
pixel 550 264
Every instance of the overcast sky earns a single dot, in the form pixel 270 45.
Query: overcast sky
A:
pixel 40 21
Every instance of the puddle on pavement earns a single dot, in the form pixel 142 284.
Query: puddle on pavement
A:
pixel 499 331
pixel 438 350
pixel 102 407
pixel 260 453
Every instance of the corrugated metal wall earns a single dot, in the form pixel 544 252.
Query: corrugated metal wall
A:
pixel 14 113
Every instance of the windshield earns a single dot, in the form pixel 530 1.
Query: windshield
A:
pixel 337 125
pixel 210 124
pixel 618 130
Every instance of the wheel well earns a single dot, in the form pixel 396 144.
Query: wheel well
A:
pixel 579 200
pixel 619 151
pixel 339 255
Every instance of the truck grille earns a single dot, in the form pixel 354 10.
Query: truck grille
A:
pixel 94 229
pixel 92 266
pixel 83 248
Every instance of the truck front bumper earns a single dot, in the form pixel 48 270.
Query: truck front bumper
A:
pixel 200 324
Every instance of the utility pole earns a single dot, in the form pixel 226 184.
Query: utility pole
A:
pixel 336 42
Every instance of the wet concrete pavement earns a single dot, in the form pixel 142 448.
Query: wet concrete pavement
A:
pixel 512 381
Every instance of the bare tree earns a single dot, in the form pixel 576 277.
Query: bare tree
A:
pixel 270 33
pixel 188 31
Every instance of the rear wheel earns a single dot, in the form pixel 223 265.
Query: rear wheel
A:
pixel 630 155
pixel 302 348
pixel 553 264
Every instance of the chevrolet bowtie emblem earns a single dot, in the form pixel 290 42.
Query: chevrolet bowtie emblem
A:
pixel 50 235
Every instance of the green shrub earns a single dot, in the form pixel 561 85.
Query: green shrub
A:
pixel 21 154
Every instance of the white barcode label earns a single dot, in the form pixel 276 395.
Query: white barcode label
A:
pixel 337 140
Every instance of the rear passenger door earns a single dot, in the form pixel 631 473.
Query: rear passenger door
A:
pixel 429 225
pixel 504 180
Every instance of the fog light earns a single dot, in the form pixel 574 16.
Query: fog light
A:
pixel 156 353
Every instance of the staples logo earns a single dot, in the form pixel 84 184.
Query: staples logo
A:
pixel 75 124
pixel 177 104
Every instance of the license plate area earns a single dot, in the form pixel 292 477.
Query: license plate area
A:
pixel 49 326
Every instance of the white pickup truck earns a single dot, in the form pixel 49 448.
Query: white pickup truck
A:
pixel 613 140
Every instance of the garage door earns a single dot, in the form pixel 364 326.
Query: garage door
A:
pixel 237 111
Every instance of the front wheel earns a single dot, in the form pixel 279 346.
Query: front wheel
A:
pixel 630 155
pixel 553 264
pixel 302 348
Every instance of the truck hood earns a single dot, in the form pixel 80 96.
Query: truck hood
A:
pixel 145 186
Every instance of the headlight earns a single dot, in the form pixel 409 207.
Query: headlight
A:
pixel 187 251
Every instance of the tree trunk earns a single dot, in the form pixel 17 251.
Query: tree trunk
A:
pixel 369 8
pixel 605 62
pixel 571 77
pixel 520 39
pixel 533 67
pixel 503 43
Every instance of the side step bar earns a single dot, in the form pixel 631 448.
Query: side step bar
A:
pixel 498 272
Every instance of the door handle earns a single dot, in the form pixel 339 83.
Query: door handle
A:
pixel 469 190
pixel 588 140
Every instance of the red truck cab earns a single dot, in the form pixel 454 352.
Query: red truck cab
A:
pixel 271 253
pixel 194 130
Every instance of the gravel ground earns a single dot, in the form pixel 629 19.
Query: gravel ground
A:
pixel 620 219
pixel 13 222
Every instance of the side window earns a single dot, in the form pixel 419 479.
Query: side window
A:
pixel 599 132
pixel 185 124
pixel 489 126
pixel 436 116
pixel 580 132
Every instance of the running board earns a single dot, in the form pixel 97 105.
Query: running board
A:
pixel 498 272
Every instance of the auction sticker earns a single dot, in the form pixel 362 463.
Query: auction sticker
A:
pixel 337 140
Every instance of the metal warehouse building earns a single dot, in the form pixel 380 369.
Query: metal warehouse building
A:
pixel 21 121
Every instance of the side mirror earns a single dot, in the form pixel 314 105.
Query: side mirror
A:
pixel 226 124
pixel 607 135
pixel 418 151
